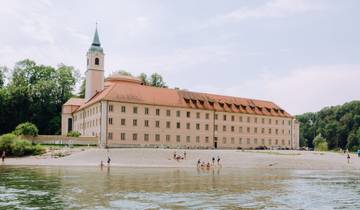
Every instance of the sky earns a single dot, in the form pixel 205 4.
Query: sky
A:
pixel 301 54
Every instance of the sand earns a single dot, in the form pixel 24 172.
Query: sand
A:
pixel 252 159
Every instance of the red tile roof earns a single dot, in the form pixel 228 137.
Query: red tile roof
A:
pixel 132 92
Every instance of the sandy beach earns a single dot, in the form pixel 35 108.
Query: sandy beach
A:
pixel 308 160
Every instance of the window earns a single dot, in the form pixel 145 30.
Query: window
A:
pixel 188 114
pixel 276 141
pixel 188 139
pixel 146 123
pixel 198 115
pixel 262 120
pixel 255 119
pixel 276 131
pixel 134 122
pixel 110 136
pixel 178 125
pixel 123 121
pixel 232 128
pixel 248 119
pixel 283 122
pixel 224 127
pixel 276 122
pixel 240 129
pixel 157 123
pixel 197 139
pixel 122 136
pixel 157 137
pixel 207 127
pixel 97 61
pixel 167 138
pixel 283 142
pixel 232 140
pixel 269 130
pixel 263 141
pixel 207 116
pixel 157 112
pixel 187 125
pixel 240 140
pixel 262 130
pixel 168 113
pixel 248 141
pixel 215 127
pixel 248 129
pixel 216 116
pixel 110 121
pixel 123 109
pixel 255 130
pixel 168 124
pixel 146 110
pixel 178 138
pixel 206 139
pixel 135 110
pixel 269 121
pixel 146 137
pixel 135 136
pixel 111 108
pixel 240 119
pixel 197 126
pixel 178 113
pixel 224 140
pixel 224 117
pixel 270 142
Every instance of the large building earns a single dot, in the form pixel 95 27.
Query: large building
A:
pixel 123 112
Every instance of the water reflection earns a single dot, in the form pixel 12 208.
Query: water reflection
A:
pixel 141 188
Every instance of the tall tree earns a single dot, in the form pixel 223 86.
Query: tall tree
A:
pixel 156 80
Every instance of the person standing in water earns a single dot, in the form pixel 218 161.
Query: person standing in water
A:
pixel 3 156
pixel 348 157
pixel 108 161
pixel 218 160
pixel 213 160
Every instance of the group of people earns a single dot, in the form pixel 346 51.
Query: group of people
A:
pixel 202 164
pixel 179 157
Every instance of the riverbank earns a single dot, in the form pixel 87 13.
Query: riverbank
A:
pixel 255 159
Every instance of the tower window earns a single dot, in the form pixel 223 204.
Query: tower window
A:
pixel 97 61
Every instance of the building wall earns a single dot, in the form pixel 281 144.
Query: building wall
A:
pixel 198 129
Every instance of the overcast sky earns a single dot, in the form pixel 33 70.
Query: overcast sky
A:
pixel 301 54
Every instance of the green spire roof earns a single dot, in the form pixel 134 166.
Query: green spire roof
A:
pixel 96 45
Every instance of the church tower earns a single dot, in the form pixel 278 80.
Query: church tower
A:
pixel 95 68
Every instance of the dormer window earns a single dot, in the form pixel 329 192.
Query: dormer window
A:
pixel 97 61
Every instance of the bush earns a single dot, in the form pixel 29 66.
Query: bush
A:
pixel 74 134
pixel 323 146
pixel 6 141
pixel 15 146
pixel 26 129
pixel 21 147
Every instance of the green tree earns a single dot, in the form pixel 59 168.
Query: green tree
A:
pixel 320 143
pixel 26 129
pixel 82 88
pixel 144 78
pixel 353 141
pixel 156 80
pixel 124 72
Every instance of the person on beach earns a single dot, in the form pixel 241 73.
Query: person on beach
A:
pixel 108 161
pixel 174 155
pixel 3 156
pixel 198 163
pixel 213 160
pixel 218 160
pixel 348 157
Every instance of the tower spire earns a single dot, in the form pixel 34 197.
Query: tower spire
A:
pixel 96 45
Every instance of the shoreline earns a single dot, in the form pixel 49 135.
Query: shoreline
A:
pixel 162 158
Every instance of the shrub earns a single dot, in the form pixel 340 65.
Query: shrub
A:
pixel 6 141
pixel 21 147
pixel 323 146
pixel 74 134
pixel 26 129
pixel 38 149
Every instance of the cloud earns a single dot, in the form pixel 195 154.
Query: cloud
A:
pixel 272 9
pixel 305 89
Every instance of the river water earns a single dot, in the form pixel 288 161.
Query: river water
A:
pixel 171 188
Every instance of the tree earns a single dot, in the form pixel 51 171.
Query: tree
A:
pixel 124 72
pixel 144 78
pixel 26 129
pixel 353 141
pixel 156 80
pixel 320 143
pixel 3 69
pixel 82 88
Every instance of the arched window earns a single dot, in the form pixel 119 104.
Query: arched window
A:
pixel 97 61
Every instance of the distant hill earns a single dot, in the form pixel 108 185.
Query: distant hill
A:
pixel 339 125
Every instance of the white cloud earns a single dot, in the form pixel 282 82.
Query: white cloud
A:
pixel 272 9
pixel 305 89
